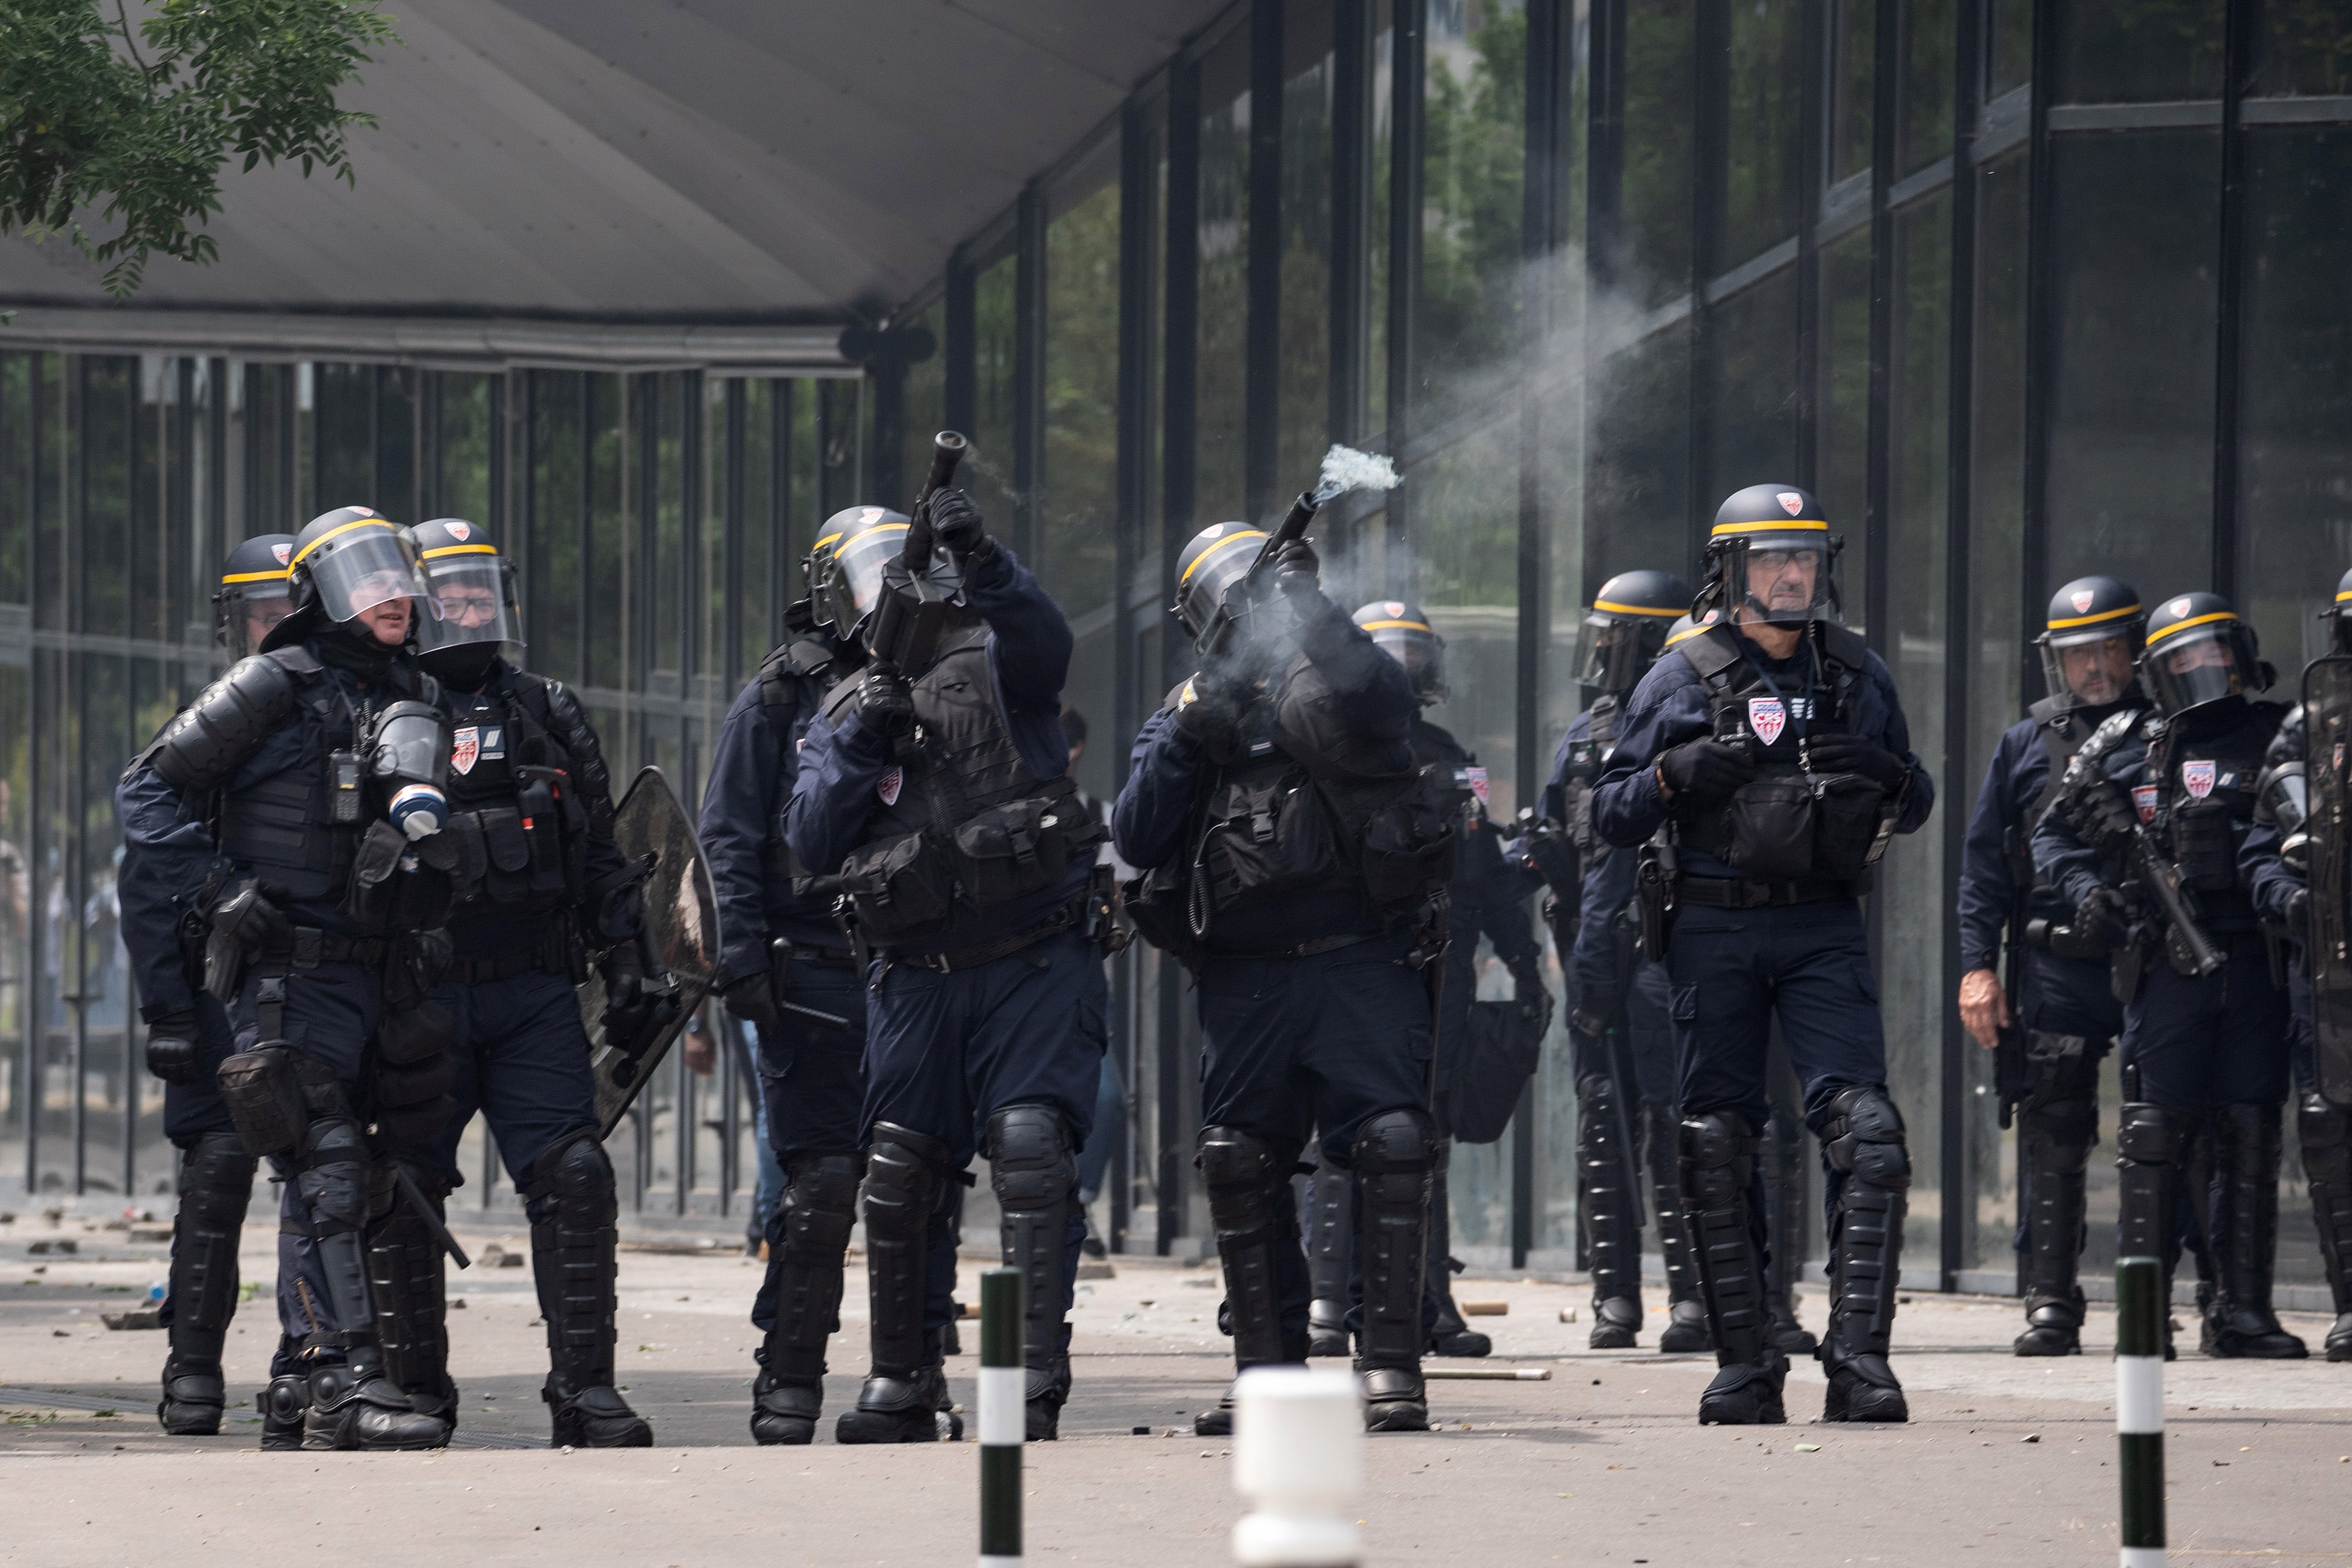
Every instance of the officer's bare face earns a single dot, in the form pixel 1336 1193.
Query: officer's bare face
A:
pixel 1783 578
pixel 259 617
pixel 2096 672
pixel 472 608
pixel 388 621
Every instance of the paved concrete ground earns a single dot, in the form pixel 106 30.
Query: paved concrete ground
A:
pixel 2005 1461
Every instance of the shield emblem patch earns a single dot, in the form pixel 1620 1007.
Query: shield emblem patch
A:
pixel 1475 779
pixel 2197 778
pixel 2179 606
pixel 465 749
pixel 1791 502
pixel 283 552
pixel 2144 801
pixel 1768 717
pixel 888 785
pixel 2083 603
pixel 461 532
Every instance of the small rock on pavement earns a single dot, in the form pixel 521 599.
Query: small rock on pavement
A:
pixel 2030 1437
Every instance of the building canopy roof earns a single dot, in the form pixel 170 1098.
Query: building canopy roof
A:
pixel 720 161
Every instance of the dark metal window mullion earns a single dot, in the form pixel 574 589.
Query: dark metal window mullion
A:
pixel 1262 356
pixel 2240 19
pixel 1812 129
pixel 1408 65
pixel 1029 374
pixel 1710 90
pixel 1603 202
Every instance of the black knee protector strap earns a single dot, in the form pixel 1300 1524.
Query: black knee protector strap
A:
pixel 904 1172
pixel 1243 1172
pixel 2058 1131
pixel 820 1204
pixel 334 1175
pixel 2151 1134
pixel 1863 1137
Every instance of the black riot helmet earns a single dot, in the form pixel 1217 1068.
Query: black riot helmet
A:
pixel 472 611
pixel 845 566
pixel 2335 624
pixel 1626 627
pixel 1688 627
pixel 2199 651
pixel 253 593
pixel 2090 620
pixel 345 563
pixel 1219 557
pixel 1399 629
pixel 1772 553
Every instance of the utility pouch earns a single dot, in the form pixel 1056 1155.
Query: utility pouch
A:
pixel 1771 823
pixel 1267 837
pixel 2126 965
pixel 1654 895
pixel 224 962
pixel 369 901
pixel 543 832
pixel 264 1098
pixel 1410 850
pixel 1847 812
pixel 1155 902
pixel 898 886
pixel 2203 845
pixel 415 1033
pixel 1102 927
pixel 1020 847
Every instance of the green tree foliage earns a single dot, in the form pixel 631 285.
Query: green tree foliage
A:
pixel 125 130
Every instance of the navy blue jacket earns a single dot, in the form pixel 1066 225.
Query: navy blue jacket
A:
pixel 1670 706
pixel 1488 896
pixel 2269 881
pixel 165 865
pixel 1155 813
pixel 752 773
pixel 842 764
pixel 2013 780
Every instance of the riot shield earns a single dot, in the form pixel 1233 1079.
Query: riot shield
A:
pixel 680 946
pixel 2327 732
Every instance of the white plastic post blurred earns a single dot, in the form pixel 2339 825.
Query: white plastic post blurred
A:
pixel 1298 1455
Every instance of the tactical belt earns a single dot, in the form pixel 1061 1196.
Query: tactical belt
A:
pixel 1302 950
pixel 1732 892
pixel 825 958
pixel 550 956
pixel 1062 920
pixel 310 948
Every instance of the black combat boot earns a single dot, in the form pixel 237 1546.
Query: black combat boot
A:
pixel 575 1236
pixel 2239 1322
pixel 1330 1252
pixel 1612 1240
pixel 216 1183
pixel 804 1281
pixel 1863 1140
pixel 286 1401
pixel 1718 1167
pixel 905 1398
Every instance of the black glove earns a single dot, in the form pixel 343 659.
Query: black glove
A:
pixel 251 921
pixel 2298 920
pixel 752 999
pixel 1527 989
pixel 1298 570
pixel 1208 709
pixel 173 1054
pixel 626 1004
pixel 2103 917
pixel 1852 754
pixel 955 522
pixel 885 703
pixel 1545 848
pixel 1707 769
pixel 2111 816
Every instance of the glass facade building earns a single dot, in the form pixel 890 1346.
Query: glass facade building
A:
pixel 2020 290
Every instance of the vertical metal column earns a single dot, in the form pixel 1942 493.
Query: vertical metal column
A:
pixel 1408 62
pixel 2240 18
pixel 1352 166
pixel 1604 204
pixel 1262 355
pixel 1028 375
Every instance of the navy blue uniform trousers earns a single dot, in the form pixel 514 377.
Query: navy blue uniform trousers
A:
pixel 1292 1047
pixel 944 1052
pixel 2190 1045
pixel 811 1091
pixel 521 1060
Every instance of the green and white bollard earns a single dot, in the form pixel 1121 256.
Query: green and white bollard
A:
pixel 1004 1417
pixel 1298 1455
pixel 2140 1307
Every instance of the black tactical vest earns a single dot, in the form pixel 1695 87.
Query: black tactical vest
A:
pixel 2198 795
pixel 1585 754
pixel 511 784
pixel 959 818
pixel 794 681
pixel 1787 822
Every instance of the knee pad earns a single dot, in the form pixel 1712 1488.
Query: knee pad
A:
pixel 2060 1130
pixel 820 1204
pixel 216 1162
pixel 1718 1149
pixel 1031 1162
pixel 903 1179
pixel 1395 1154
pixel 583 1173
pixel 1863 1137
pixel 1242 1171
pixel 2151 1136
pixel 2324 1129
pixel 334 1176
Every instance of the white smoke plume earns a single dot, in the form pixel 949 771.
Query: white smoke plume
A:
pixel 1345 469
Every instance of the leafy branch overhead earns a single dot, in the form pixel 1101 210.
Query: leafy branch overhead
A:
pixel 124 127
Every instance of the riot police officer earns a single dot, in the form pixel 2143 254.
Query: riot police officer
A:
pixel 316 767
pixel 810 1073
pixel 542 886
pixel 163 884
pixel 1294 859
pixel 1487 899
pixel 1622 1040
pixel 1774 743
pixel 2276 862
pixel 936 788
pixel 2151 800
pixel 2067 1013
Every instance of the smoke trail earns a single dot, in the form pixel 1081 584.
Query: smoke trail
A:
pixel 1345 469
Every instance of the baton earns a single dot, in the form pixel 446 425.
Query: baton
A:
pixel 822 1020
pixel 415 1197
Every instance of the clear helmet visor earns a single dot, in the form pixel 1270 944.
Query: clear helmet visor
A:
pixel 2089 668
pixel 361 567
pixel 1613 651
pixel 1785 576
pixel 412 747
pixel 1212 575
pixel 466 600
pixel 854 563
pixel 2200 665
pixel 249 610
pixel 1422 653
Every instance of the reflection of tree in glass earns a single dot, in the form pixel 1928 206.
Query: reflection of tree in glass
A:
pixel 1076 511
pixel 1471 218
pixel 2306 48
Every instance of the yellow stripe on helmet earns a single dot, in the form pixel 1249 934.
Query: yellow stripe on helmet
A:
pixel 1809 525
pixel 2094 620
pixel 278 576
pixel 460 550
pixel 1397 626
pixel 1228 540
pixel 1616 609
pixel 338 533
pixel 2192 620
pixel 843 548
